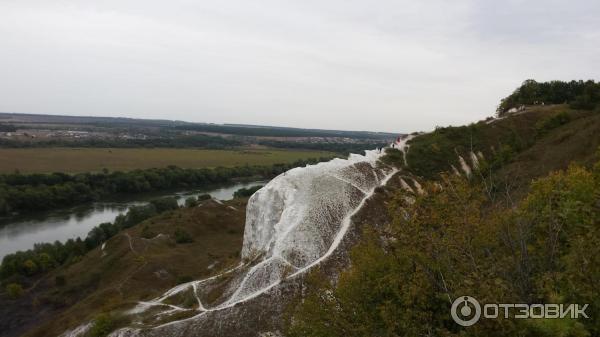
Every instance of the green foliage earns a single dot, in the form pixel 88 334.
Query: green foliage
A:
pixel 246 192
pixel 35 192
pixel 181 236
pixel 147 233
pixel 191 202
pixel 454 240
pixel 205 196
pixel 552 122
pixel 102 326
pixel 14 290
pixel 435 152
pixel 393 157
pixel 581 95
pixel 164 204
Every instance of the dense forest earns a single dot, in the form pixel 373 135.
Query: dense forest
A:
pixel 35 192
pixel 582 95
pixel 458 238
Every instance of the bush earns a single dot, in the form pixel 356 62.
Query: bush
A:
pixel 165 204
pixel 552 122
pixel 181 236
pixel 147 233
pixel 102 326
pixel 14 290
pixel 205 196
pixel 246 192
pixel 191 202
pixel 393 157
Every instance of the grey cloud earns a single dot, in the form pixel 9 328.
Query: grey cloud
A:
pixel 385 65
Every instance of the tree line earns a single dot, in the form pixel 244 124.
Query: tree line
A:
pixel 36 192
pixel 195 141
pixel 273 131
pixel 581 95
pixel 337 147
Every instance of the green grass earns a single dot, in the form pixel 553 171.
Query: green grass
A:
pixel 74 160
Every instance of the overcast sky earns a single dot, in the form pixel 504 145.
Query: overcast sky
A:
pixel 359 65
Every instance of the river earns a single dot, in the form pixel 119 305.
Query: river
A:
pixel 22 232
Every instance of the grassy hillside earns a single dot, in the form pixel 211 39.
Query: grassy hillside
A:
pixel 518 146
pixel 136 264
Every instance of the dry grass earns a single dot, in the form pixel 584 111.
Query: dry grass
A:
pixel 115 281
pixel 73 160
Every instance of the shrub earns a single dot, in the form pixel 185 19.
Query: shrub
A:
pixel 102 326
pixel 246 192
pixel 14 290
pixel 393 157
pixel 204 196
pixel 191 202
pixel 165 204
pixel 147 233
pixel 181 236
pixel 552 122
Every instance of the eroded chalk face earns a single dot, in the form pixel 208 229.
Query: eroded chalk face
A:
pixel 293 220
pixel 296 214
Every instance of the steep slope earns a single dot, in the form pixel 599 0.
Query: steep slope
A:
pixel 137 264
pixel 296 222
pixel 511 150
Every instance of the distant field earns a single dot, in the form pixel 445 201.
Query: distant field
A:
pixel 37 160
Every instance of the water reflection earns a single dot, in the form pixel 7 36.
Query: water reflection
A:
pixel 22 232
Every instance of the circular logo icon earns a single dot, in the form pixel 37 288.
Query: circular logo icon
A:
pixel 465 310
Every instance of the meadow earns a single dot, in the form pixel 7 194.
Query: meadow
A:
pixel 74 160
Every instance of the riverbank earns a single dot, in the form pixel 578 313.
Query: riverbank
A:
pixel 27 193
pixel 22 232
pixel 128 268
